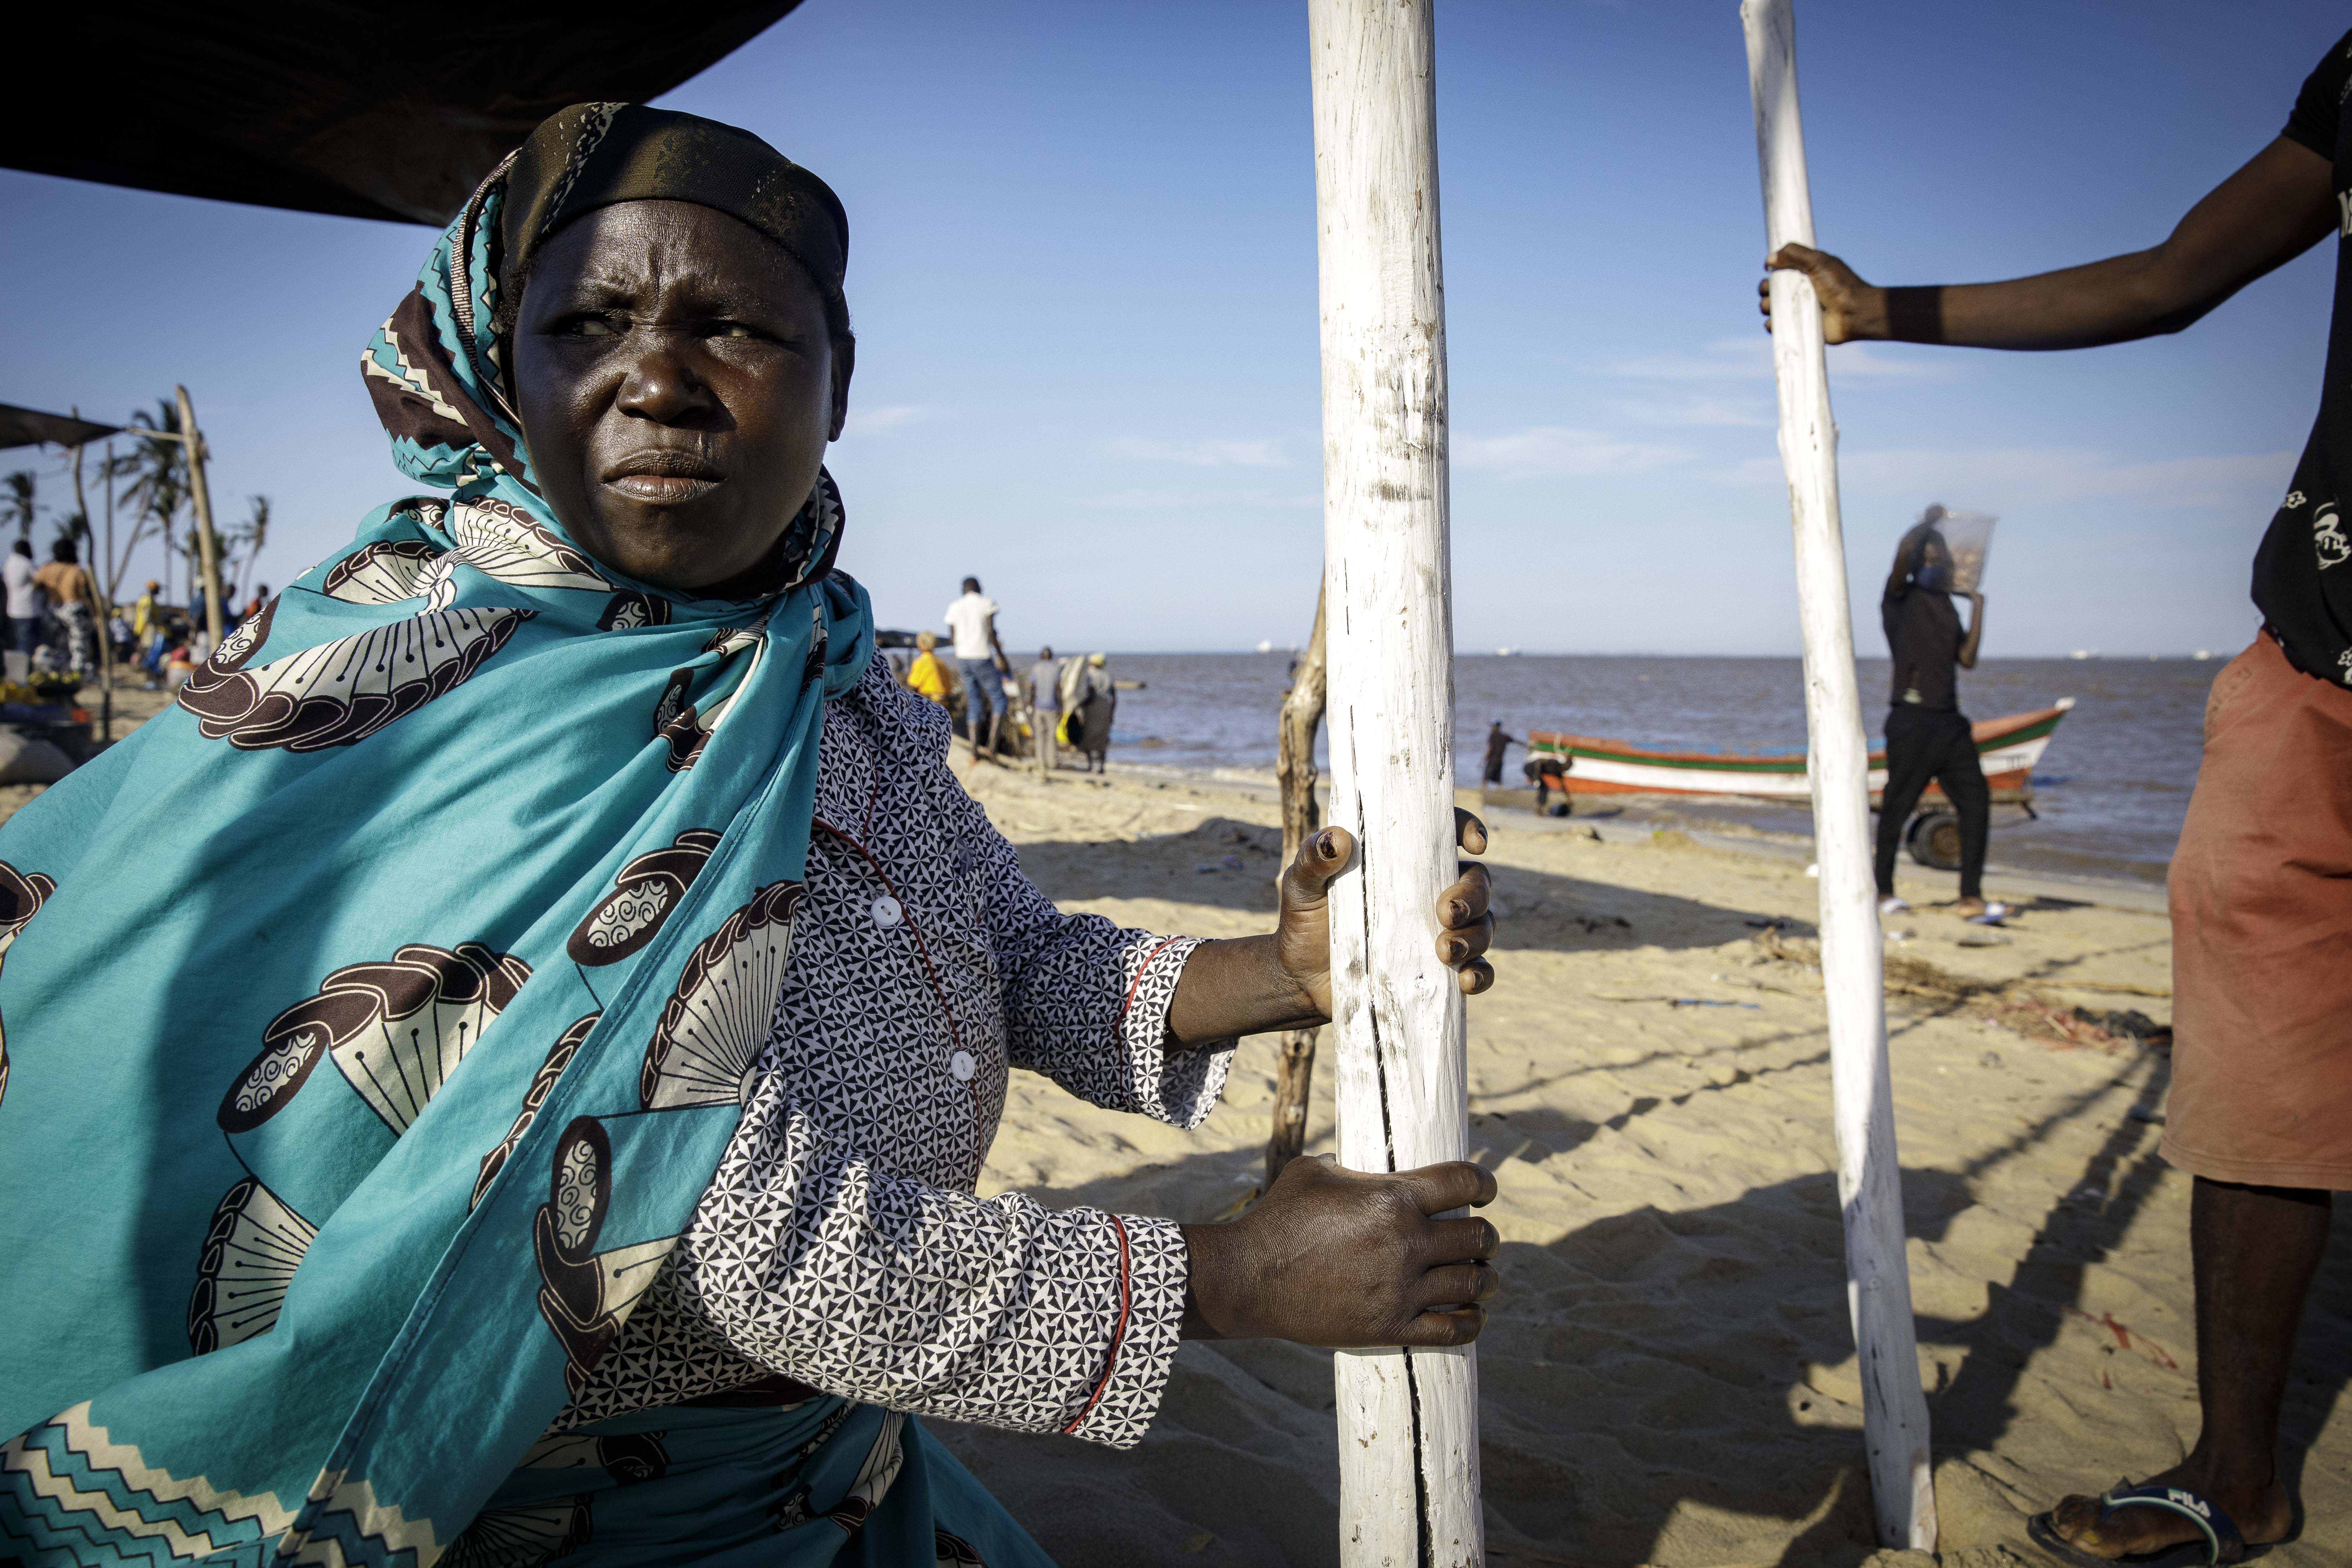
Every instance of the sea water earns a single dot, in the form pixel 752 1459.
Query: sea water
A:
pixel 2109 793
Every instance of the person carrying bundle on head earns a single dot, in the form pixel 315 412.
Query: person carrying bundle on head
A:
pixel 1928 739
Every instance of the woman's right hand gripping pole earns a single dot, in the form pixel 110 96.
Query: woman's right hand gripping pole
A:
pixel 1349 1259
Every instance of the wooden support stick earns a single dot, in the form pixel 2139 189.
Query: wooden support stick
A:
pixel 1302 715
pixel 1408 1419
pixel 1878 1281
pixel 207 542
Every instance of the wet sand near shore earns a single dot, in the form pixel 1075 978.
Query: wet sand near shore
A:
pixel 1668 1376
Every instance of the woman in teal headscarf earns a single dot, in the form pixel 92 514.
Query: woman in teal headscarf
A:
pixel 398 1161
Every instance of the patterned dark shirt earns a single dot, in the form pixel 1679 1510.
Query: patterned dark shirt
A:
pixel 840 1242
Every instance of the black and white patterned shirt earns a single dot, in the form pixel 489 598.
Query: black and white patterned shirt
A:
pixel 840 1242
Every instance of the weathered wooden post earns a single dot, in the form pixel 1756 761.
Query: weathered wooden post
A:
pixel 100 580
pixel 1408 1418
pixel 207 542
pixel 1878 1281
pixel 1302 715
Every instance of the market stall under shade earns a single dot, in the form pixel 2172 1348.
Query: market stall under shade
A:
pixel 359 111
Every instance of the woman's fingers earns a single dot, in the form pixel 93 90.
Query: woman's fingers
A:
pixel 1469 832
pixel 1464 1239
pixel 1320 858
pixel 1442 1330
pixel 1455 1185
pixel 1469 927
pixel 1459 947
pixel 1466 900
pixel 1457 1285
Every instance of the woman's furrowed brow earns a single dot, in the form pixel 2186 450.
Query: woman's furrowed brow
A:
pixel 693 296
pixel 602 288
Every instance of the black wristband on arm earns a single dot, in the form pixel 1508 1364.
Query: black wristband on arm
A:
pixel 1915 315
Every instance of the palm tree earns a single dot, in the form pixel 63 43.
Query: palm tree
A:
pixel 20 503
pixel 242 543
pixel 157 476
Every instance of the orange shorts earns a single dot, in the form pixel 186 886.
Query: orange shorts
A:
pixel 2261 890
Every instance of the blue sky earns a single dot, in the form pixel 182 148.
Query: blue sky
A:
pixel 1083 276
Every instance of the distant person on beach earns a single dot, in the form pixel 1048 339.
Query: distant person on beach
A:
pixel 1045 706
pixel 1549 772
pixel 2261 1105
pixel 24 611
pixel 927 676
pixel 253 605
pixel 1097 702
pixel 73 600
pixel 1928 736
pixel 147 632
pixel 979 659
pixel 1497 742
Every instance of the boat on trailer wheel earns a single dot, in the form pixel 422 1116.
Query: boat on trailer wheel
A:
pixel 2008 748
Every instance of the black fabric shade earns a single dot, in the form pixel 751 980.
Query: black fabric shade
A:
pixel 377 112
pixel 30 428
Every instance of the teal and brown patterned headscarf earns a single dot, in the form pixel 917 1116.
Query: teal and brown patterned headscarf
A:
pixel 373 1020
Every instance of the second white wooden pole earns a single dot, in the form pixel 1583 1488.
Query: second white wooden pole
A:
pixel 1408 1419
pixel 1870 1183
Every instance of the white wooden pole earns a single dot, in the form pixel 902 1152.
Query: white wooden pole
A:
pixel 1408 1419
pixel 1878 1282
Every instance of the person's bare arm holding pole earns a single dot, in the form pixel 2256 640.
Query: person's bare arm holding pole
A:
pixel 2270 212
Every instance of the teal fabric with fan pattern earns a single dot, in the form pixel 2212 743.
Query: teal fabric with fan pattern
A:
pixel 372 1022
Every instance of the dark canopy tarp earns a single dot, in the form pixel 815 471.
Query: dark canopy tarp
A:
pixel 30 426
pixel 381 112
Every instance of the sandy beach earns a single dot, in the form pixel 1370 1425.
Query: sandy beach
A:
pixel 1668 1377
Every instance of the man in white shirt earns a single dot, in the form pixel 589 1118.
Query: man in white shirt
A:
pixel 24 612
pixel 978 659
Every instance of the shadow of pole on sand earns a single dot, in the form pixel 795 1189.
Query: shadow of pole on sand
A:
pixel 1659 1385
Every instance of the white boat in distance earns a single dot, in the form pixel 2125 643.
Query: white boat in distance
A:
pixel 2007 748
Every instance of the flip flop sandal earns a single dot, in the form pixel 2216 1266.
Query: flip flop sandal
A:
pixel 1994 915
pixel 2221 1542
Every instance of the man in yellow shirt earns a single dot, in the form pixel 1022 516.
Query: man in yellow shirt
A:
pixel 926 676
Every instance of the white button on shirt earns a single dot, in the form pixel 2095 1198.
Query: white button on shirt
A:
pixel 887 911
pixel 963 1065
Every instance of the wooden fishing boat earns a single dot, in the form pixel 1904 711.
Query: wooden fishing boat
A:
pixel 2007 748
